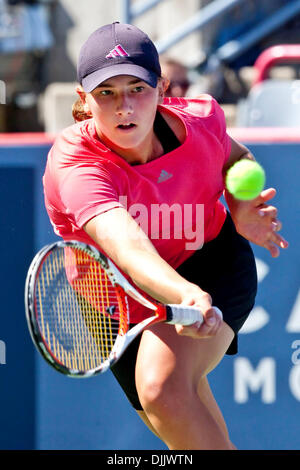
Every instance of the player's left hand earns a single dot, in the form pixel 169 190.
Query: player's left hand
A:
pixel 212 317
pixel 257 221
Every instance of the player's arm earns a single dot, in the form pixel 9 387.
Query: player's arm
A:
pixel 255 220
pixel 238 151
pixel 121 238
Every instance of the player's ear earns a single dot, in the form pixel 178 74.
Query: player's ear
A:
pixel 162 85
pixel 82 95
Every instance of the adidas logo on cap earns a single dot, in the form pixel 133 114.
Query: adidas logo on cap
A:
pixel 117 51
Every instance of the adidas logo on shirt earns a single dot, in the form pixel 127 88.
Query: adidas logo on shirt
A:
pixel 118 51
pixel 164 176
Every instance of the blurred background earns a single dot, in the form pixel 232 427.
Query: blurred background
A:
pixel 246 53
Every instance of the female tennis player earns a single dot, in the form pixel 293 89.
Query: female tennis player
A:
pixel 141 179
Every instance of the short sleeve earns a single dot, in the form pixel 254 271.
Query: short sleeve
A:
pixel 87 191
pixel 211 116
pixel 221 128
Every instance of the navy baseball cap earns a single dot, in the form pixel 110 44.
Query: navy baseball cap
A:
pixel 117 49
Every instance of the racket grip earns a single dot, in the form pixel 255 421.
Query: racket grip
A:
pixel 177 314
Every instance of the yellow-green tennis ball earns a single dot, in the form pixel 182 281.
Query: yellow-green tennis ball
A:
pixel 245 179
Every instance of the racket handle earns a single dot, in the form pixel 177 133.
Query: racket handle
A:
pixel 183 315
pixel 177 314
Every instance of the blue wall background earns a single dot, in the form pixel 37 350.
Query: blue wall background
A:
pixel 258 390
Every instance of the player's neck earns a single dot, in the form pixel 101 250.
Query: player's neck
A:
pixel 148 150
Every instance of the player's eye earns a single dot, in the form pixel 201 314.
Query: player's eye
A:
pixel 105 92
pixel 138 89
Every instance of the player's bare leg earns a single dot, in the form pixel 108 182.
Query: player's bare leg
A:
pixel 207 397
pixel 173 389
pixel 146 421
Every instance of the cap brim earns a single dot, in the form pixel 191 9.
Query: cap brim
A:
pixel 90 82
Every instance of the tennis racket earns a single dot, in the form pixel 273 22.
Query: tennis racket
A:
pixel 77 309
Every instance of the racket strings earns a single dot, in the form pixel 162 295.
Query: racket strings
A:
pixel 79 311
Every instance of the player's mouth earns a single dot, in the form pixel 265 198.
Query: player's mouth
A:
pixel 126 127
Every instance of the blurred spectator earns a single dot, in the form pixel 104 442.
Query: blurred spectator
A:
pixel 177 74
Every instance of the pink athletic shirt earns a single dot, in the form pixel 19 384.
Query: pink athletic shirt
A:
pixel 174 198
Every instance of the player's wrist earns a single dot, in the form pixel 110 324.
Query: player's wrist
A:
pixel 194 294
pixel 237 208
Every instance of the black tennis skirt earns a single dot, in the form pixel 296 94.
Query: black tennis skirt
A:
pixel 225 268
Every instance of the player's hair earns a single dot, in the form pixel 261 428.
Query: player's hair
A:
pixel 78 112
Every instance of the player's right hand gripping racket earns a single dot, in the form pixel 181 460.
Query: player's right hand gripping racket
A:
pixel 77 309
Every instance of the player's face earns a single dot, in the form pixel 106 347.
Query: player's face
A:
pixel 124 109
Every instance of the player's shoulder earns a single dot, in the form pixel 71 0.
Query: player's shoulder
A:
pixel 203 105
pixel 75 133
pixel 79 139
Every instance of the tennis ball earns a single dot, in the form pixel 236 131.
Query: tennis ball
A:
pixel 245 179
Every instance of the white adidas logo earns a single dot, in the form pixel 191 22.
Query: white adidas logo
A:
pixel 118 51
pixel 164 176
